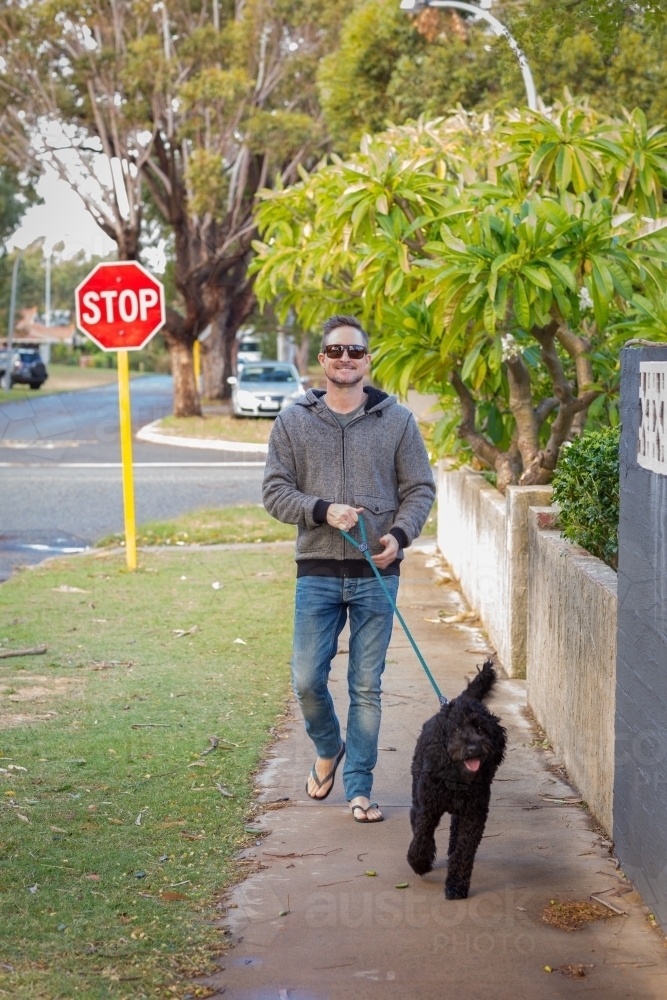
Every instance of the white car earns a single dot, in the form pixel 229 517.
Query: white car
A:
pixel 249 350
pixel 264 388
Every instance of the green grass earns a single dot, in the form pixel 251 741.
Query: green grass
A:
pixel 249 430
pixel 219 525
pixel 69 822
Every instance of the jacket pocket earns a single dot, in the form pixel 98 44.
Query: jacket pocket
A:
pixel 375 505
pixel 378 515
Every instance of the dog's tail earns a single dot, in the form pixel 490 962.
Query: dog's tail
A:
pixel 480 685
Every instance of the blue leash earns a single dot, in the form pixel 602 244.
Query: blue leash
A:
pixel 363 548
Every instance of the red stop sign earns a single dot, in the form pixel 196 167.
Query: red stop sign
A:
pixel 120 306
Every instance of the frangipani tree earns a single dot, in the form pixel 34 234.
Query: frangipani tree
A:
pixel 497 263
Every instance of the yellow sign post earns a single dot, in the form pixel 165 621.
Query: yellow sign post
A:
pixel 126 459
pixel 120 306
pixel 196 361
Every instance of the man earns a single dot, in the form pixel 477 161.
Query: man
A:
pixel 335 454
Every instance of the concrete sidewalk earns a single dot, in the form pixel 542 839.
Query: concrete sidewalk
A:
pixel 348 934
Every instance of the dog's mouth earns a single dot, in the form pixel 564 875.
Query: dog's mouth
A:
pixel 472 764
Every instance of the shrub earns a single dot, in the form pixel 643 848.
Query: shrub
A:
pixel 586 485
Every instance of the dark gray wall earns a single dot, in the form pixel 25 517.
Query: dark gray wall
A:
pixel 640 785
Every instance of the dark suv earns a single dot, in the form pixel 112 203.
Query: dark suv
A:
pixel 27 367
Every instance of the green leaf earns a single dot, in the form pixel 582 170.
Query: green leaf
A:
pixel 521 306
pixel 471 361
pixel 537 277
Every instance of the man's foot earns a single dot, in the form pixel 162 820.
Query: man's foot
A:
pixel 325 769
pixel 365 811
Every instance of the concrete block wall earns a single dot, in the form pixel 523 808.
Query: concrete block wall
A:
pixel 483 536
pixel 472 538
pixel 571 659
pixel 549 609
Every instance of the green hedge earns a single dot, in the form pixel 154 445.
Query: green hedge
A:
pixel 586 485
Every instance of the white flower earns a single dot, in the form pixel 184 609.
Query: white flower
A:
pixel 511 350
pixel 585 300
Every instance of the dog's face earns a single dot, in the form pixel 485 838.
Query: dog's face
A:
pixel 474 737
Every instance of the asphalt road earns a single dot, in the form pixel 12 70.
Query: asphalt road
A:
pixel 60 475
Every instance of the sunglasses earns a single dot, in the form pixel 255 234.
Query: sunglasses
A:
pixel 354 351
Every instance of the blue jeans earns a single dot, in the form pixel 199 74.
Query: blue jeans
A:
pixel 322 606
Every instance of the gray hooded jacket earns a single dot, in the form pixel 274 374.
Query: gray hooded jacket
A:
pixel 378 462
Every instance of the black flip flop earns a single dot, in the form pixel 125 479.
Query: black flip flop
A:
pixel 373 805
pixel 331 776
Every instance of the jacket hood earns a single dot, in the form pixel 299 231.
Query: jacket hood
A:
pixel 376 399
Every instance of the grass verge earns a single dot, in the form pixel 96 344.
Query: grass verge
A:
pixel 219 525
pixel 115 839
pixel 221 426
pixel 64 378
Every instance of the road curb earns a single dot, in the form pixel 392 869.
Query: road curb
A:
pixel 151 434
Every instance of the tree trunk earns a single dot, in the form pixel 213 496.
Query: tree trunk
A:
pixel 212 363
pixel 302 354
pixel 230 349
pixel 186 397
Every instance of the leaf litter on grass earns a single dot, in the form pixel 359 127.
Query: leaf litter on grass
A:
pixel 82 815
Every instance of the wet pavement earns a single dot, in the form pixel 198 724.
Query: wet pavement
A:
pixel 60 473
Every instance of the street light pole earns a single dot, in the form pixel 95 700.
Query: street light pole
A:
pixel 498 28
pixel 10 328
pixel 12 311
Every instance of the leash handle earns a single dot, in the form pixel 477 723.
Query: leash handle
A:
pixel 363 548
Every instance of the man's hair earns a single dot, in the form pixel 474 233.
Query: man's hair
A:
pixel 334 322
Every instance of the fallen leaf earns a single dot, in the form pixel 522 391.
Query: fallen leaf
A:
pixel 198 763
pixel 22 817
pixel 93 878
pixel 192 836
pixel 172 822
pixel 215 743
pixel 64 589
pixel 401 885
pixel 118 822
pixel 574 971
pixel 173 896
pixel 16 767
pixel 179 632
pixel 58 829
pixel 223 791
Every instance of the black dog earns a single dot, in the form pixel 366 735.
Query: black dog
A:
pixel 457 755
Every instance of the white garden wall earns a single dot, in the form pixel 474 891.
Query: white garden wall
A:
pixel 549 609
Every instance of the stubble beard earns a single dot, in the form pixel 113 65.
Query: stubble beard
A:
pixel 337 379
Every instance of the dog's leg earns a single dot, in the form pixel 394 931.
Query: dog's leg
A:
pixel 453 834
pixel 422 850
pixel 470 829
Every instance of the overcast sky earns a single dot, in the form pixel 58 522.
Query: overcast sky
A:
pixel 61 217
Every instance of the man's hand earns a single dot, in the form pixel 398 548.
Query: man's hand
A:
pixel 340 515
pixel 387 557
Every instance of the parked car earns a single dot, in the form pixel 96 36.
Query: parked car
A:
pixel 265 388
pixel 250 349
pixel 26 367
